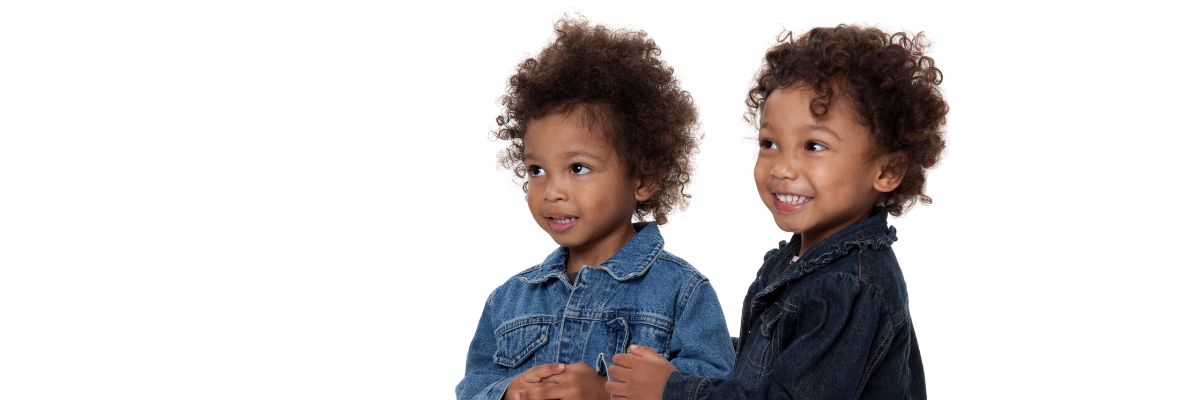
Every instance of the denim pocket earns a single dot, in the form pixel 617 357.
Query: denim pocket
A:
pixel 517 340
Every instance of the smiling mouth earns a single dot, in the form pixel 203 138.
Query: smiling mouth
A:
pixel 791 198
pixel 790 202
pixel 561 225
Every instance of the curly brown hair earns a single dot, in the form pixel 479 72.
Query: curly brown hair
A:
pixel 626 91
pixel 888 81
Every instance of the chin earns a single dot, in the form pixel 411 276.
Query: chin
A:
pixel 789 225
pixel 560 238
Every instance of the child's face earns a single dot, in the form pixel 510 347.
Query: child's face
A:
pixel 816 175
pixel 579 191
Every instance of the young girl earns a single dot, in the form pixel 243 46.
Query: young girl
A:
pixel 601 132
pixel 850 119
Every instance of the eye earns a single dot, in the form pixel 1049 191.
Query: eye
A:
pixel 580 169
pixel 814 146
pixel 535 170
pixel 767 144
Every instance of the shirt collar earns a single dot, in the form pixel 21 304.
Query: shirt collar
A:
pixel 632 260
pixel 870 233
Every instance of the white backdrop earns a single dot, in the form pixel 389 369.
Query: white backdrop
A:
pixel 254 199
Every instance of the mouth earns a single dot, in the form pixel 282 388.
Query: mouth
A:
pixel 790 202
pixel 562 224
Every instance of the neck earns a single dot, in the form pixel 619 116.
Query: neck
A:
pixel 597 251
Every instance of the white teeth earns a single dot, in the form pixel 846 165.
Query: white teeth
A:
pixel 564 220
pixel 791 198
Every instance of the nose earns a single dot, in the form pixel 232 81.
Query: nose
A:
pixel 555 190
pixel 784 168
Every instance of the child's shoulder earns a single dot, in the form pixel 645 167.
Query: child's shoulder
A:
pixel 867 269
pixel 671 263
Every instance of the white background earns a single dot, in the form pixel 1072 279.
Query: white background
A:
pixel 250 199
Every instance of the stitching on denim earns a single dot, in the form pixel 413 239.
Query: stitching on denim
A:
pixel 526 352
pixel 786 303
pixel 774 349
pixel 860 253
pixel 665 325
pixel 775 272
pixel 897 318
pixel 613 292
pixel 908 387
pixel 513 325
pixel 878 356
pixel 679 308
pixel 686 294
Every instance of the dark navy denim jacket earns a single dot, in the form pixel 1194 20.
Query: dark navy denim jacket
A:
pixel 832 325
pixel 642 295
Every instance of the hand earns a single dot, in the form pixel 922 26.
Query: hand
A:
pixel 642 374
pixel 532 378
pixel 577 382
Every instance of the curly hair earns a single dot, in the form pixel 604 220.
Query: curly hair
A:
pixel 888 81
pixel 625 90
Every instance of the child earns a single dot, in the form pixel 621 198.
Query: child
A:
pixel 850 119
pixel 601 132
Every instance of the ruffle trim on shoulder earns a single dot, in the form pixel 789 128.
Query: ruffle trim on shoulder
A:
pixel 877 241
pixel 771 252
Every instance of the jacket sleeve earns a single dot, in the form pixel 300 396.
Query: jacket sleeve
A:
pixel 837 332
pixel 484 379
pixel 700 342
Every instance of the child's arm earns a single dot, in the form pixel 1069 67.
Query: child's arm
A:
pixel 841 332
pixel 700 342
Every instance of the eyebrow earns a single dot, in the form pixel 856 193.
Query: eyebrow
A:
pixel 811 127
pixel 819 127
pixel 584 154
pixel 570 154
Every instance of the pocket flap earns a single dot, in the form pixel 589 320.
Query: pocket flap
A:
pixel 517 340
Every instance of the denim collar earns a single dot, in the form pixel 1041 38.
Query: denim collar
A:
pixel 631 261
pixel 870 233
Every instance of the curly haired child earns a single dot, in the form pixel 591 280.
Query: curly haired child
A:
pixel 600 132
pixel 849 119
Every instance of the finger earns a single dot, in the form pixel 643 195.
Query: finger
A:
pixel 555 379
pixel 548 392
pixel 579 367
pixel 645 352
pixel 617 389
pixel 620 373
pixel 626 360
pixel 536 374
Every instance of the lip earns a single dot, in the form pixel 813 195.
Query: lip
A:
pixel 788 207
pixel 561 227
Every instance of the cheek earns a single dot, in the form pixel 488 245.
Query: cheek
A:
pixel 762 172
pixel 839 181
pixel 533 197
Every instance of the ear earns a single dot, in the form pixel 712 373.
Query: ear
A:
pixel 889 172
pixel 645 188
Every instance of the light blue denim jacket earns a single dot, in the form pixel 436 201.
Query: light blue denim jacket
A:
pixel 642 295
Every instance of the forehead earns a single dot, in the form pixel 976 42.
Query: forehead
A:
pixel 790 108
pixel 560 133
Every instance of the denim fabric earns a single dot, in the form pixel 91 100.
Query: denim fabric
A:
pixel 832 325
pixel 642 295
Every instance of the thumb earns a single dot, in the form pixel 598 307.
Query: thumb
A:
pixel 644 352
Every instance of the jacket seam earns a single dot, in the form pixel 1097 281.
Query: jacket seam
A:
pixel 875 358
